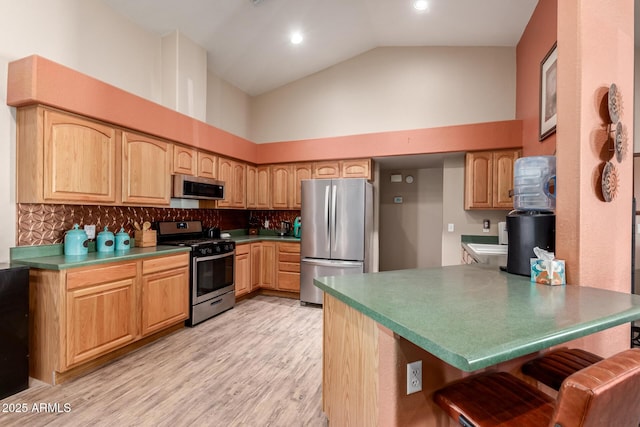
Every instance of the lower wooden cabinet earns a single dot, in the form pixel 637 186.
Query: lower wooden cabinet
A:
pixel 100 311
pixel 289 267
pixel 243 269
pixel 267 265
pixel 165 292
pixel 82 314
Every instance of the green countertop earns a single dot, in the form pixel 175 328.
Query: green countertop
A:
pixel 475 316
pixel 249 238
pixel 51 257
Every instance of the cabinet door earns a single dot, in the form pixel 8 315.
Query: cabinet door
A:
pixel 478 180
pixel 238 198
pixel 289 267
pixel 357 168
pixel 280 186
pixel 79 160
pixel 243 269
pixel 268 265
pixel 146 170
pixel 300 171
pixel 184 160
pixel 503 163
pixel 165 298
pixel 252 187
pixel 256 258
pixel 329 169
pixel 225 173
pixel 100 311
pixel 263 188
pixel 207 165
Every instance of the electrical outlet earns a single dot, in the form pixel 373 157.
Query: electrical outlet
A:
pixel 91 231
pixel 414 377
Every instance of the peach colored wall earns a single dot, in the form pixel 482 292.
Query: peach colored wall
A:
pixel 538 37
pixel 595 49
pixel 38 80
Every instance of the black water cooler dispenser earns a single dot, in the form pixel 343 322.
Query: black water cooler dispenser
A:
pixel 526 230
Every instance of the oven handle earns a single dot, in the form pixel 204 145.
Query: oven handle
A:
pixel 216 302
pixel 209 258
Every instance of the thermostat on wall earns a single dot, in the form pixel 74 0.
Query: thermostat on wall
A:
pixel 397 199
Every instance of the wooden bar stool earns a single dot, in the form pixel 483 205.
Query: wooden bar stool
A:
pixel 552 368
pixel 602 394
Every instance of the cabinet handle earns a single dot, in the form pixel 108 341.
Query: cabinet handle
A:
pixel 511 193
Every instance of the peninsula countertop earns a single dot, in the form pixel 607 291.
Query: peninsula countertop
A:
pixel 474 316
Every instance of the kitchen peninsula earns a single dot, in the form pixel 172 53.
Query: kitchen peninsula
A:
pixel 455 319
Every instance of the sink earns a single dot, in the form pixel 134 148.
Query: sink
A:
pixel 487 249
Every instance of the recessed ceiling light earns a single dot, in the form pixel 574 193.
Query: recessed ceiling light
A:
pixel 420 5
pixel 296 37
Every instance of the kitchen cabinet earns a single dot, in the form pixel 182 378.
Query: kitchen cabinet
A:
pixel 63 158
pixel 207 165
pixel 243 269
pixel 353 168
pixel 146 170
pixel 288 266
pixel 258 187
pixel 299 171
pixel 100 311
pixel 82 317
pixel 233 173
pixel 165 292
pixel 184 160
pixel 268 265
pixel 489 178
pixel 281 186
pixel 256 257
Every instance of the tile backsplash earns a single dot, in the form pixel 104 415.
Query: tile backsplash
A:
pixel 41 224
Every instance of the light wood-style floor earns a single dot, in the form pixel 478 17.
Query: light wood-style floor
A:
pixel 259 364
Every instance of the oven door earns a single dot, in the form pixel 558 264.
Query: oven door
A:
pixel 212 276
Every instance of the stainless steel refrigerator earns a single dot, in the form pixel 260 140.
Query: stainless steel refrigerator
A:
pixel 337 218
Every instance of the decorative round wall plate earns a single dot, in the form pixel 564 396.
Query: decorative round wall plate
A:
pixel 609 182
pixel 620 142
pixel 614 103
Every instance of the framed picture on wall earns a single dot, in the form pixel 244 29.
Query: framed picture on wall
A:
pixel 548 91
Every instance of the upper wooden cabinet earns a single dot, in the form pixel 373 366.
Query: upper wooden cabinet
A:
pixel 207 165
pixel 258 187
pixel 146 170
pixel 65 158
pixel 489 178
pixel 354 168
pixel 234 175
pixel 299 171
pixel 281 186
pixel 185 160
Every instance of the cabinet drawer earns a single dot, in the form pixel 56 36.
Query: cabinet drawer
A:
pixel 94 276
pixel 293 248
pixel 288 257
pixel 154 265
pixel 243 249
pixel 289 266
pixel 289 281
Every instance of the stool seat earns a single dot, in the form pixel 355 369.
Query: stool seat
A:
pixel 495 399
pixel 554 367
pixel 602 394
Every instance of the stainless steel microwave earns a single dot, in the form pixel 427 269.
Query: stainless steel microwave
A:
pixel 194 187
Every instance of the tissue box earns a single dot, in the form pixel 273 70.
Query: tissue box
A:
pixel 145 238
pixel 547 272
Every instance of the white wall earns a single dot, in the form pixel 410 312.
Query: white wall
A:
pixel 465 222
pixel 227 106
pixel 82 34
pixel 391 88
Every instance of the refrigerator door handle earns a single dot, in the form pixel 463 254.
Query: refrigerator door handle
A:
pixel 334 212
pixel 327 209
pixel 328 263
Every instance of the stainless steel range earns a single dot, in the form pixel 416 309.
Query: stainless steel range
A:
pixel 212 289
